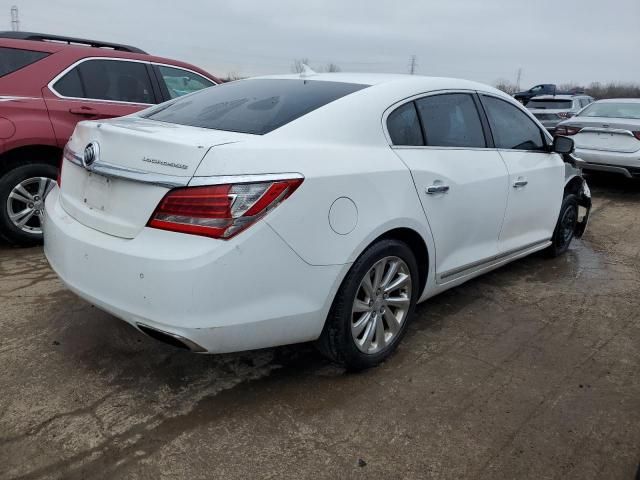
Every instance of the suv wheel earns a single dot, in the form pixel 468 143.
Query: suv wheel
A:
pixel 22 193
pixel 373 306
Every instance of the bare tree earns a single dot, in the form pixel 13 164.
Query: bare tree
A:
pixel 298 65
pixel 332 67
pixel 231 77
pixel 506 86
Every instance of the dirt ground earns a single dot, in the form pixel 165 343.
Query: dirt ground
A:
pixel 532 371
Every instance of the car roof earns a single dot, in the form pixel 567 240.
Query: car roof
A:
pixel 78 52
pixel 619 100
pixel 557 97
pixel 69 41
pixel 418 81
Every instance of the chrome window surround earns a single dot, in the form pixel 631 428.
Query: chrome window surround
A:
pixel 172 181
pixel 547 136
pixel 86 59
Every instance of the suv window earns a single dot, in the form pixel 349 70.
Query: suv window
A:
pixel 451 120
pixel 180 82
pixel 252 106
pixel 404 127
pixel 511 128
pixel 115 80
pixel 13 59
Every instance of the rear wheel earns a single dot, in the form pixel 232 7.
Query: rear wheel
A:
pixel 373 306
pixel 565 228
pixel 22 193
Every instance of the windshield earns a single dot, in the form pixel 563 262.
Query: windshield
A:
pixel 252 106
pixel 550 104
pixel 612 110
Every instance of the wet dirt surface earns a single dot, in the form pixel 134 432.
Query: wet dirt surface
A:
pixel 531 371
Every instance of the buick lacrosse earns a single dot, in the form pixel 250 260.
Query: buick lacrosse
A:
pixel 319 207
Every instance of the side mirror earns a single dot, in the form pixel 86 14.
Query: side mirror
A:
pixel 563 145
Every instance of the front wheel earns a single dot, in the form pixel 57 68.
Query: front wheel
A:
pixel 373 306
pixel 22 193
pixel 565 228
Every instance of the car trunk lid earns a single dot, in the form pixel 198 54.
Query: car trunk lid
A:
pixel 137 162
pixel 609 134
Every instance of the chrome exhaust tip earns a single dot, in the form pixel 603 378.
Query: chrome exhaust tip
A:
pixel 170 338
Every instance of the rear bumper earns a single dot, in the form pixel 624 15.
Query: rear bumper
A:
pixel 627 164
pixel 250 292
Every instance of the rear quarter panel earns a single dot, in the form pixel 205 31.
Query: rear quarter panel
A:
pixel 375 179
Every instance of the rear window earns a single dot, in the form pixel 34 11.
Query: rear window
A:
pixel 12 59
pixel 252 106
pixel 612 110
pixel 550 104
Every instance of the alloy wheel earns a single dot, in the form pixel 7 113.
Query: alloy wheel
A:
pixel 381 305
pixel 25 204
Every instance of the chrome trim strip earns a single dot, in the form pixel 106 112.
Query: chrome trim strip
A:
pixel 474 266
pixel 620 131
pixel 247 178
pixel 133 174
pixel 172 181
pixel 82 60
pixel 9 98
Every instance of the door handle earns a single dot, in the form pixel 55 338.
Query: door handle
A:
pixel 432 189
pixel 88 111
pixel 520 183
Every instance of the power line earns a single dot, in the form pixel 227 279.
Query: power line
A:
pixel 15 20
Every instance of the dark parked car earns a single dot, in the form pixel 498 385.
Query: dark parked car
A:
pixel 48 84
pixel 542 89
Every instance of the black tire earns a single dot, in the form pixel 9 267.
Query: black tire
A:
pixel 336 341
pixel 565 227
pixel 8 229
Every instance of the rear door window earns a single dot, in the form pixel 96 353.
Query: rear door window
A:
pixel 256 106
pixel 180 82
pixel 404 127
pixel 512 129
pixel 451 120
pixel 13 59
pixel 114 80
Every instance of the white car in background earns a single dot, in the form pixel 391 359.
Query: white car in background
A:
pixel 607 136
pixel 320 207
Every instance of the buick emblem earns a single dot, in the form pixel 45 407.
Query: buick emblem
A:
pixel 90 155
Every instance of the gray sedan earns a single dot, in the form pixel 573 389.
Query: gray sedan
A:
pixel 607 135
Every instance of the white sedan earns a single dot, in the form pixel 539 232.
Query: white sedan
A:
pixel 317 207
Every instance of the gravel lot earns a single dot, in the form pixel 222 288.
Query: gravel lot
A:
pixel 532 371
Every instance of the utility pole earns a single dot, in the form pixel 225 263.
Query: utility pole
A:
pixel 15 20
pixel 518 79
pixel 412 65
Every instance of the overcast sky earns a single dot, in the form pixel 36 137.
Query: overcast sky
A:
pixel 553 41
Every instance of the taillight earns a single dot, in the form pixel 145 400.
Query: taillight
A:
pixel 636 134
pixel 566 130
pixel 220 211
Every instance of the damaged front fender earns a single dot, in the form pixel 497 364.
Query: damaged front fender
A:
pixel 584 201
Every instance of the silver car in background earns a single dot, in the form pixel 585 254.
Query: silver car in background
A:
pixel 607 135
pixel 553 109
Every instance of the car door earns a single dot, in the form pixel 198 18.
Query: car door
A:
pixel 176 81
pixel 97 88
pixel 461 181
pixel 536 175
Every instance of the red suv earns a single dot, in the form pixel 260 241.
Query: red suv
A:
pixel 47 84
